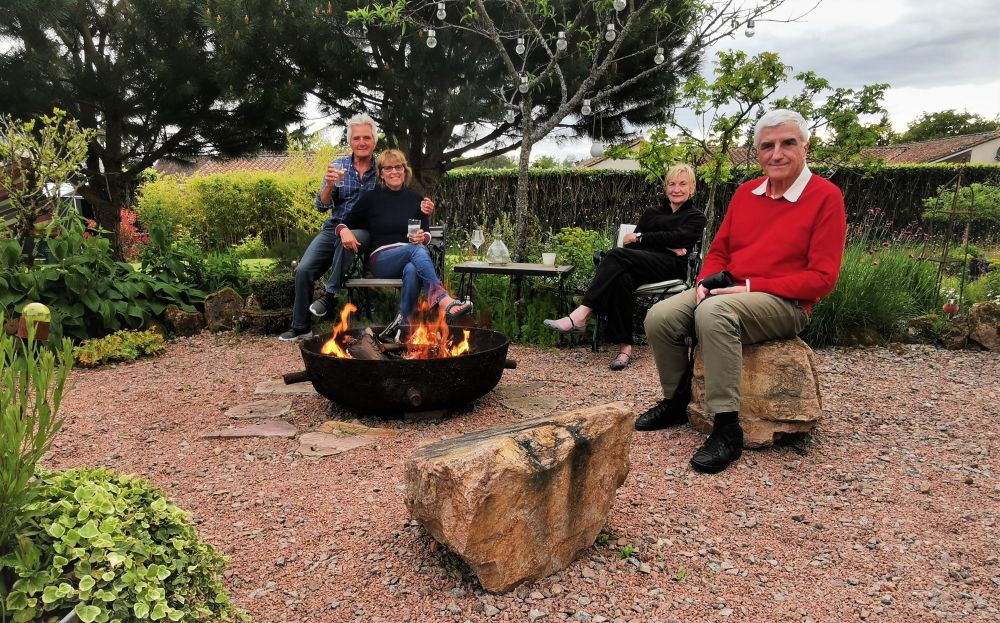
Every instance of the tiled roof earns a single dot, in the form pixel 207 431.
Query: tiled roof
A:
pixel 261 163
pixel 930 151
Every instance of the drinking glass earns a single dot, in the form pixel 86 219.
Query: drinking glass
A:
pixel 412 227
pixel 339 167
pixel 477 240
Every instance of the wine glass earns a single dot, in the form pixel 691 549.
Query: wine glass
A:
pixel 477 240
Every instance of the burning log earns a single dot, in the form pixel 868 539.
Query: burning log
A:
pixel 367 347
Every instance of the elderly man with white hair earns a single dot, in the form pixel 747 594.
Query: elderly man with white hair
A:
pixel 345 181
pixel 777 252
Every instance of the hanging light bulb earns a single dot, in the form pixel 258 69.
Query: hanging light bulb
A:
pixel 659 58
pixel 585 109
pixel 619 5
pixel 524 84
pixel 509 117
pixel 520 45
pixel 561 41
pixel 441 12
pixel 749 31
pixel 597 149
pixel 611 34
pixel 432 41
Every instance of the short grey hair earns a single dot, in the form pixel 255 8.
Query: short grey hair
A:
pixel 776 117
pixel 362 119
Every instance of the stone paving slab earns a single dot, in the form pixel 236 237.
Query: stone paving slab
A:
pixel 328 444
pixel 265 428
pixel 518 390
pixel 346 429
pixel 532 406
pixel 261 409
pixel 277 387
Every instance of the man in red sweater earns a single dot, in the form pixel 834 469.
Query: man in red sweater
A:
pixel 777 252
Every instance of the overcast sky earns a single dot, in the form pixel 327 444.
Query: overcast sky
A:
pixel 935 55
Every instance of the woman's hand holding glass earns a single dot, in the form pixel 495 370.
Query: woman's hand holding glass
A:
pixel 413 232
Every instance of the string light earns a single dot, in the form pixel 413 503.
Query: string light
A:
pixel 611 34
pixel 524 84
pixel 585 109
pixel 561 41
pixel 441 12
pixel 619 5
pixel 750 30
pixel 520 45
pixel 659 58
pixel 431 39
pixel 509 117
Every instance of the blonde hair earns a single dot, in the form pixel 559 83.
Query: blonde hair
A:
pixel 675 171
pixel 393 156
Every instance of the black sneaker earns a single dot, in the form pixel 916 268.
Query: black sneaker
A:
pixel 295 334
pixel 723 446
pixel 322 306
pixel 664 414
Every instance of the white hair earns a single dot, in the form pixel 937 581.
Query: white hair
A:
pixel 776 117
pixel 362 119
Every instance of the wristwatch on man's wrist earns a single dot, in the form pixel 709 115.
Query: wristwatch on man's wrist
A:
pixel 638 237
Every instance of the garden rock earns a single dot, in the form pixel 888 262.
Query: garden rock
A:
pixel 780 392
pixel 223 309
pixel 264 428
pixel 920 330
pixel 522 501
pixel 183 323
pixel 984 324
pixel 955 336
pixel 261 409
pixel 266 322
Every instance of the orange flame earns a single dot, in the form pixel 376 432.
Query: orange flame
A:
pixel 431 337
pixel 331 347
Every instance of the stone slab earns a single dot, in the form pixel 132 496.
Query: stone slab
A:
pixel 532 406
pixel 261 409
pixel 265 428
pixel 347 429
pixel 327 444
pixel 518 390
pixel 277 387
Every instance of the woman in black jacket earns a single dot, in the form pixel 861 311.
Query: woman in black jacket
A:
pixel 655 251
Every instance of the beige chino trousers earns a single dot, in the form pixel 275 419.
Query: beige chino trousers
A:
pixel 722 324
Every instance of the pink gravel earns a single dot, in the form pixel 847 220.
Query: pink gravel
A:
pixel 887 513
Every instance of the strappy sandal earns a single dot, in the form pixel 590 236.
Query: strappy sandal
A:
pixel 465 308
pixel 574 328
pixel 620 364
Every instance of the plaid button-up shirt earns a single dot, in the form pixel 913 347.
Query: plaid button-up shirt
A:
pixel 343 198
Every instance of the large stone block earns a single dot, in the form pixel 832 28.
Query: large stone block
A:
pixel 181 322
pixel 223 309
pixel 780 392
pixel 984 324
pixel 522 501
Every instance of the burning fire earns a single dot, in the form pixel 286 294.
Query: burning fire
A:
pixel 331 347
pixel 429 338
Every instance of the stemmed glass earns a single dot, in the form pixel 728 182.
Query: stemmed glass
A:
pixel 477 241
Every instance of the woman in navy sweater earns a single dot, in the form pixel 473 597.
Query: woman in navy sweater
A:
pixel 384 213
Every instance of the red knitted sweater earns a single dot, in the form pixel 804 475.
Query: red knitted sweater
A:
pixel 791 250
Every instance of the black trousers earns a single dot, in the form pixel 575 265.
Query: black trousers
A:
pixel 612 292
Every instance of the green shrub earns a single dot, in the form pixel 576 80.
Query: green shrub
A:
pixel 273 290
pixel 32 380
pixel 878 289
pixel 111 548
pixel 986 288
pixel 576 246
pixel 124 345
pixel 250 247
pixel 89 293
pixel 975 203
pixel 183 262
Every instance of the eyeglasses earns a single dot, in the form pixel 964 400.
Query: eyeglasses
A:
pixel 394 167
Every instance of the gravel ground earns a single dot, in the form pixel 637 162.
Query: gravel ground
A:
pixel 887 513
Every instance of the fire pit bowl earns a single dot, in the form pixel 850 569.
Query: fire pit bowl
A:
pixel 400 385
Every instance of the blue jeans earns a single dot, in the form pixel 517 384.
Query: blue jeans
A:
pixel 412 263
pixel 324 252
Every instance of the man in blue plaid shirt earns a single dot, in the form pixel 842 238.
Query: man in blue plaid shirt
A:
pixel 346 180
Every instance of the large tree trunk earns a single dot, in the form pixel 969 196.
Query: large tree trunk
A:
pixel 108 194
pixel 522 206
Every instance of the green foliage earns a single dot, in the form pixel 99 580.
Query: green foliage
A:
pixel 879 289
pixel 112 548
pixel 626 551
pixel 976 203
pixel 250 247
pixel 273 290
pixel 32 381
pixel 576 246
pixel 38 155
pixel 183 263
pixel 931 125
pixel 226 209
pixel 124 345
pixel 986 288
pixel 88 292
